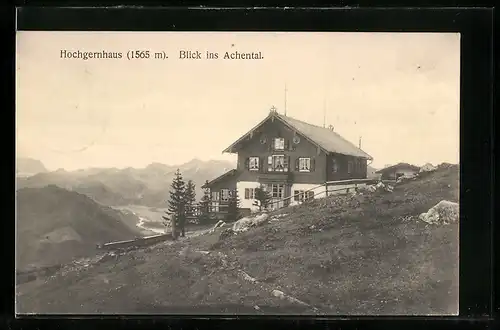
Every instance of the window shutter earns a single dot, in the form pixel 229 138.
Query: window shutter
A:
pixel 286 146
pixel 247 193
pixel 286 161
pixel 270 160
pixel 247 163
pixel 297 163
pixel 261 164
pixel 313 164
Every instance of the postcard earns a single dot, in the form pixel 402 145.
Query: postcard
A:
pixel 310 173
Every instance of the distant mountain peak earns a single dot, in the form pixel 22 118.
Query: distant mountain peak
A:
pixel 156 164
pixel 26 166
pixel 194 161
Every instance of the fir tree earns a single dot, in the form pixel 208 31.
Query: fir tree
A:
pixel 190 198
pixel 233 208
pixel 263 197
pixel 176 205
pixel 205 203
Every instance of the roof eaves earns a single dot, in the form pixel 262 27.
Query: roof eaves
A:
pixel 229 149
pixel 220 177
pixel 290 125
pixel 327 150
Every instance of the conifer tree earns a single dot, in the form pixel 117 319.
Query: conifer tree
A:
pixel 263 197
pixel 205 203
pixel 176 205
pixel 190 198
pixel 233 210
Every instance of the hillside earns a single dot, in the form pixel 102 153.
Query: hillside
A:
pixel 147 186
pixel 362 254
pixel 55 225
pixel 29 166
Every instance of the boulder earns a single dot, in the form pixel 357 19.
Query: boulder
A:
pixel 369 188
pixel 443 213
pixel 381 187
pixel 247 222
pixel 277 217
pixel 219 224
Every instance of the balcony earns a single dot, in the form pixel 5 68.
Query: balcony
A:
pixel 278 177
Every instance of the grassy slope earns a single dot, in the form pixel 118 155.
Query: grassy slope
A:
pixel 44 215
pixel 368 257
pixel 361 255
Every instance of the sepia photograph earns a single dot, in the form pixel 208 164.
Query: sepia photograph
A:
pixel 251 173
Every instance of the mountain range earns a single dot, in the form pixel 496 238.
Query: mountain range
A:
pixel 54 226
pixel 147 186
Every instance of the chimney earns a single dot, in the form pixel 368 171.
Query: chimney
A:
pixel 360 142
pixel 330 127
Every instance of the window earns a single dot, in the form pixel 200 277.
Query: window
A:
pixel 298 195
pixel 349 167
pixel 215 207
pixel 249 193
pixel 278 190
pixel 215 195
pixel 224 194
pixel 277 163
pixel 301 195
pixel 335 166
pixel 279 144
pixel 253 163
pixel 359 165
pixel 304 164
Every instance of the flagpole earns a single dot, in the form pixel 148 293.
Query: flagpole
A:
pixel 285 98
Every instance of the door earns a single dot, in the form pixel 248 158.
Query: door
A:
pixel 277 193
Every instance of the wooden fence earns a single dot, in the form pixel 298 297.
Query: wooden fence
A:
pixel 321 190
pixel 135 243
pixel 325 189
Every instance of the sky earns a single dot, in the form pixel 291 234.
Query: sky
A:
pixel 399 92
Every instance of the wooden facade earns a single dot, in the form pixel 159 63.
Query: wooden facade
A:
pixel 262 145
pixel 287 161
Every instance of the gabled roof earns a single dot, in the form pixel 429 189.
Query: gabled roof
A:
pixel 398 165
pixel 219 178
pixel 325 138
